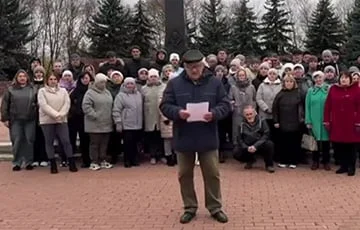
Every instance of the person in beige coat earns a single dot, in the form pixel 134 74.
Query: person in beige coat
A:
pixel 54 105
pixel 166 126
pixel 152 115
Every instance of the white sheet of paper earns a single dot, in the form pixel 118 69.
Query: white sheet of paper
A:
pixel 197 111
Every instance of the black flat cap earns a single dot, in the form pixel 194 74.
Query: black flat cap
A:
pixel 192 56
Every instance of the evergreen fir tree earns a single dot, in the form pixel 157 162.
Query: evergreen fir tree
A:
pixel 352 47
pixel 276 27
pixel 325 29
pixel 245 31
pixel 214 28
pixel 109 29
pixel 14 35
pixel 142 29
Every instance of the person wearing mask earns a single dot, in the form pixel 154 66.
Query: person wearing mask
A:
pixel 254 138
pixel 175 62
pixel 97 106
pixel 225 125
pixel 128 117
pixel 166 126
pixel 262 75
pixel 288 114
pixel 160 61
pixel 341 119
pixel 151 115
pixel 114 146
pixel 265 96
pixel 113 63
pixel 75 66
pixel 136 62
pixel 18 113
pixel 314 119
pixel 194 85
pixel 54 105
pixel 330 75
pixel 142 78
pixel 40 156
pixel 76 98
pixel 241 94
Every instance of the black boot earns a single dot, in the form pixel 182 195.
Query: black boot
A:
pixel 72 165
pixel 221 157
pixel 53 166
pixel 170 161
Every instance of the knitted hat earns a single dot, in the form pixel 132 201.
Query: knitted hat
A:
pixel 329 68
pixel 100 78
pixel 318 73
pixel 327 53
pixel 220 68
pixel 143 69
pixel 67 72
pixel 129 80
pixel 264 65
pixel 273 70
pixel 299 66
pixel 154 72
pixel 39 69
pixel 174 56
pixel 241 57
pixel 354 69
pixel 236 62
pixel 118 73
pixel 288 66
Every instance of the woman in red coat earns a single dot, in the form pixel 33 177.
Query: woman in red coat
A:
pixel 341 118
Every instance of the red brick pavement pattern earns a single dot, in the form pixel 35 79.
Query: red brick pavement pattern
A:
pixel 4 133
pixel 148 198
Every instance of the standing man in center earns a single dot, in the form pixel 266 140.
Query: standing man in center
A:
pixel 195 85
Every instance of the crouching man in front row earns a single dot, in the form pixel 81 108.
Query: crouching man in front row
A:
pixel 253 138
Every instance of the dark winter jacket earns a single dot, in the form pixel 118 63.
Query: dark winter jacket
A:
pixel 253 134
pixel 113 88
pixel 322 65
pixel 226 84
pixel 118 66
pixel 258 80
pixel 19 103
pixel 190 137
pixel 76 98
pixel 288 110
pixel 159 64
pixel 133 65
pixel 76 71
pixel 304 84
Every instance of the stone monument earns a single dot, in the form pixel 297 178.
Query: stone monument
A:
pixel 175 39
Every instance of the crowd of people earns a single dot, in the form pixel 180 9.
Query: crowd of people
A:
pixel 118 108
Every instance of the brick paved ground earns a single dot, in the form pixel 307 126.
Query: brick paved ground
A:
pixel 148 198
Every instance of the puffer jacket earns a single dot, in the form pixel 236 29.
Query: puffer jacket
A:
pixel 265 97
pixel 128 110
pixel 253 134
pixel 151 106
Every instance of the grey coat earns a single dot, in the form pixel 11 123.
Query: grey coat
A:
pixel 241 95
pixel 97 107
pixel 265 97
pixel 128 110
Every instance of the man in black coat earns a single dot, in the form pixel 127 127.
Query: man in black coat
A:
pixel 135 63
pixel 196 85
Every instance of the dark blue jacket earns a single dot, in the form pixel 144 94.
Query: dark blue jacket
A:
pixel 192 137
